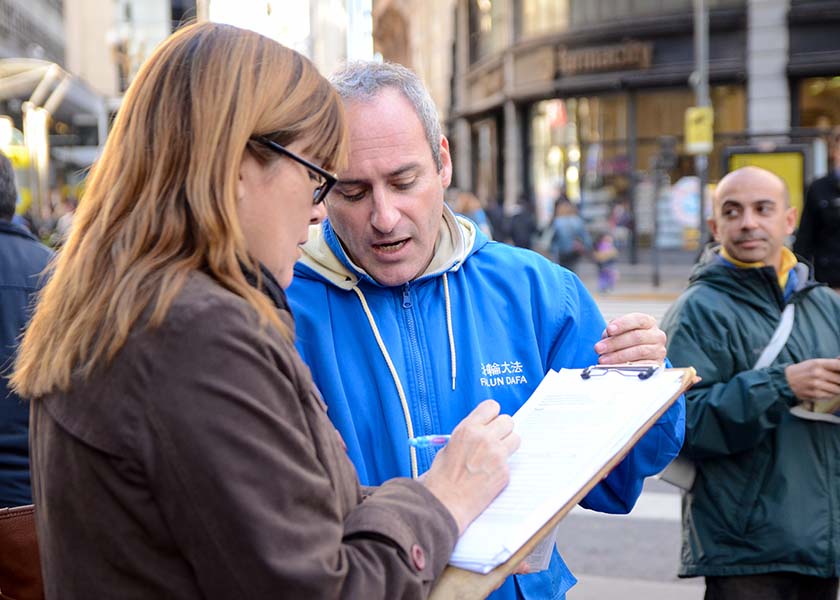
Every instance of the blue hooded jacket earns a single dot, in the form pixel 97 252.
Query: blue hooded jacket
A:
pixel 486 320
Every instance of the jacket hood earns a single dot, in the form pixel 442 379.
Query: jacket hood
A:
pixel 323 255
pixel 712 270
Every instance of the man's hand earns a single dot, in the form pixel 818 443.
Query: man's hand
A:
pixel 631 338
pixel 814 379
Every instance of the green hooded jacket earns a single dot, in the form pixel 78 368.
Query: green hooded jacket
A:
pixel 767 493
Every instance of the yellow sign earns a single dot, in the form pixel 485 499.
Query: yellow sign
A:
pixel 699 129
pixel 18 155
pixel 790 166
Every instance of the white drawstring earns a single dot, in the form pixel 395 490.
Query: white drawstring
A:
pixel 409 427
pixel 452 360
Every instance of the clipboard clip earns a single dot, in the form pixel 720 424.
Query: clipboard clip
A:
pixel 641 371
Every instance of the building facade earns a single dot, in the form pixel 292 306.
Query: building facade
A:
pixel 32 29
pixel 573 97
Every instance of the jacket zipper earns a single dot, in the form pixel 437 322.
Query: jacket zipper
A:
pixel 416 360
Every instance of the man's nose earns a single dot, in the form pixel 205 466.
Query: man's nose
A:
pixel 319 212
pixel 748 220
pixel 385 214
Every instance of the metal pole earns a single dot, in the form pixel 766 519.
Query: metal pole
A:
pixel 701 85
pixel 657 190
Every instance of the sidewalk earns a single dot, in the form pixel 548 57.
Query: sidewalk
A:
pixel 635 281
pixel 593 587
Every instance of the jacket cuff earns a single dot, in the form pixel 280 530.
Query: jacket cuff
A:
pixel 418 524
pixel 780 383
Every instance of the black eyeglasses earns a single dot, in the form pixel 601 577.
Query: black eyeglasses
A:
pixel 325 179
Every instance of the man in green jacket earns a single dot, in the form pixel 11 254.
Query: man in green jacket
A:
pixel 762 519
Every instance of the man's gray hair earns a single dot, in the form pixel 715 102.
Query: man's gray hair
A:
pixel 8 191
pixel 363 80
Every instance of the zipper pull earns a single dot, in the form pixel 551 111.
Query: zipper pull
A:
pixel 406 297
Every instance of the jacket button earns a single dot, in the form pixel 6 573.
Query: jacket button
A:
pixel 418 557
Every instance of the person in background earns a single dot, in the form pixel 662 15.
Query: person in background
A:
pixel 408 315
pixel 23 263
pixel 65 221
pixel 818 237
pixel 605 255
pixel 179 447
pixel 760 521
pixel 570 240
pixel 523 223
pixel 470 206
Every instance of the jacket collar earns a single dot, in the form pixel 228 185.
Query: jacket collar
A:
pixel 325 255
pixel 9 228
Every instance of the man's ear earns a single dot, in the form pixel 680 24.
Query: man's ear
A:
pixel 790 219
pixel 712 223
pixel 445 163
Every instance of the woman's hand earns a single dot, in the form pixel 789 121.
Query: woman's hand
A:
pixel 472 469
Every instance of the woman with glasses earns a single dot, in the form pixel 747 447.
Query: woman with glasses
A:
pixel 179 448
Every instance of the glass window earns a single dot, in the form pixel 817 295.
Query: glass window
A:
pixel 819 102
pixel 662 112
pixel 488 27
pixel 544 16
pixel 593 12
pixel 579 149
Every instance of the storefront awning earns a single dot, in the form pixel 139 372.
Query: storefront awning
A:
pixel 66 97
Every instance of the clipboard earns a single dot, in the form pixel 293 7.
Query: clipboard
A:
pixel 460 584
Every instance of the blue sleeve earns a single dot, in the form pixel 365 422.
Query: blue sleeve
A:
pixel 573 347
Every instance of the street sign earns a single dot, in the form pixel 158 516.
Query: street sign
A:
pixel 699 129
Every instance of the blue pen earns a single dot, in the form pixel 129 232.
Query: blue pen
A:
pixel 428 441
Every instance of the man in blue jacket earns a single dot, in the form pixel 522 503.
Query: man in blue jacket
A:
pixel 408 316
pixel 22 260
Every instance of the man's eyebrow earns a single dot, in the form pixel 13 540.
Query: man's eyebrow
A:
pixel 399 171
pixel 404 169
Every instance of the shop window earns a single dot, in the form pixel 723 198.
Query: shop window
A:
pixel 819 102
pixel 662 112
pixel 579 149
pixel 488 28
pixel 582 147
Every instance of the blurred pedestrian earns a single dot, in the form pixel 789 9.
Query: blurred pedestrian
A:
pixel 760 520
pixel 818 238
pixel 470 206
pixel 179 446
pixel 605 255
pixel 65 221
pixel 570 241
pixel 523 223
pixel 23 261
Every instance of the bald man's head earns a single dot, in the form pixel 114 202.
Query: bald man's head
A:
pixel 752 215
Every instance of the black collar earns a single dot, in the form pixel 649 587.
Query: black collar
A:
pixel 269 286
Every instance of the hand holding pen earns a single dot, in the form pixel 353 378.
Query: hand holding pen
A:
pixel 472 468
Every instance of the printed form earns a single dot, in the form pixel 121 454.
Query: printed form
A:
pixel 570 429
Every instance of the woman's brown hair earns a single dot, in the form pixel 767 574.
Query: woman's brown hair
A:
pixel 160 202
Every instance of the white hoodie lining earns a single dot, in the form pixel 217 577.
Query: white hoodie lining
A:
pixel 409 427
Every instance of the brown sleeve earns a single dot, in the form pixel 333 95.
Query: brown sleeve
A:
pixel 253 499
